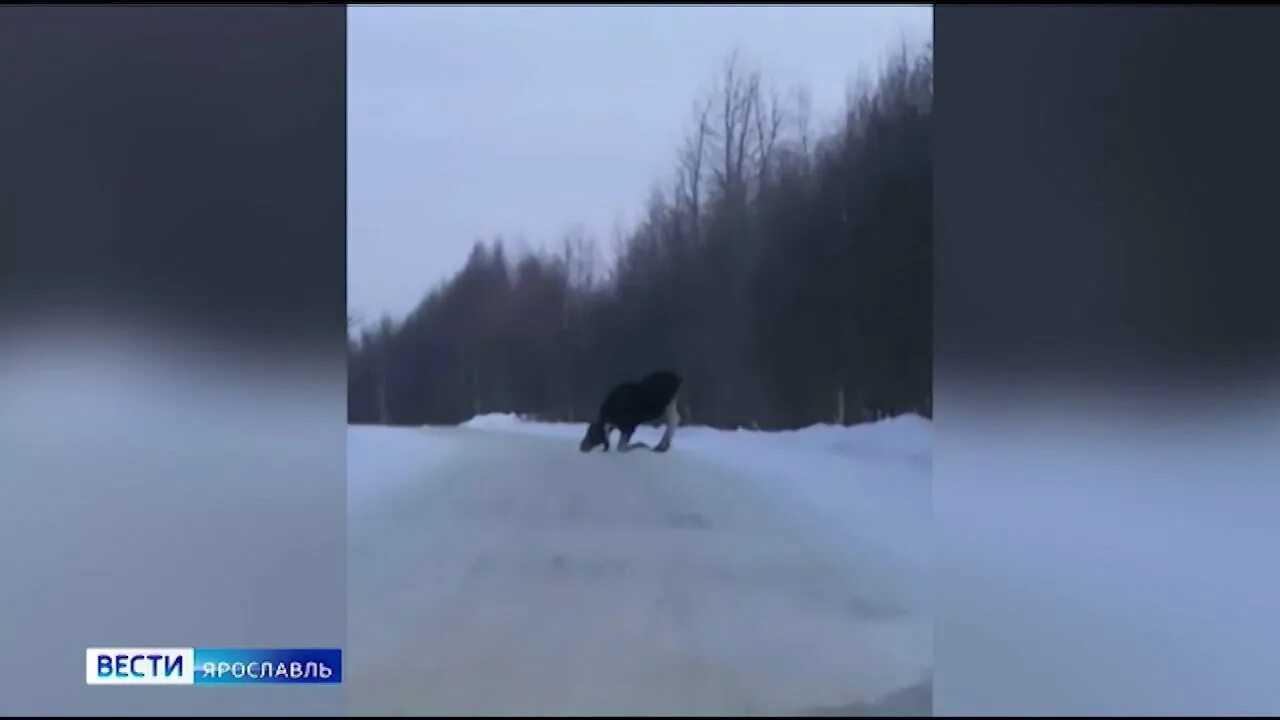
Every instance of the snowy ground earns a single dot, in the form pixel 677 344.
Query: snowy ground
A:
pixel 494 569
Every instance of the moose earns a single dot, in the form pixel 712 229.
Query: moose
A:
pixel 630 404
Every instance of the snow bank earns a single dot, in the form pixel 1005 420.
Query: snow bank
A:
pixel 510 422
pixel 902 437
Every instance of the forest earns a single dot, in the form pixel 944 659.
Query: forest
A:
pixel 784 272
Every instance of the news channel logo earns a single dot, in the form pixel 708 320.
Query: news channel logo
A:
pixel 212 666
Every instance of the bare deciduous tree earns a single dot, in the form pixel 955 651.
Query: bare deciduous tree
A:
pixel 691 163
pixel 768 126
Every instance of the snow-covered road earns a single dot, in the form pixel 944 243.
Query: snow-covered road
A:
pixel 494 569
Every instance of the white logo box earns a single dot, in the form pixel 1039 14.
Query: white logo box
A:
pixel 139 660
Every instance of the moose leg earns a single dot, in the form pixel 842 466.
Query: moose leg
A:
pixel 672 420
pixel 624 439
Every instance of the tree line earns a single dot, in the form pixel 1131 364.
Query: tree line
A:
pixel 786 274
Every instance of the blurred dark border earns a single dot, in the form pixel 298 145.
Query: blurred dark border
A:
pixel 185 164
pixel 1106 180
pixel 172 345
pixel 1106 359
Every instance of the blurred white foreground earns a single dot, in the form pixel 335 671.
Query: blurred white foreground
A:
pixel 156 494
pixel 494 569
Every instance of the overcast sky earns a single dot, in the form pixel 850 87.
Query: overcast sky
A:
pixel 467 123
